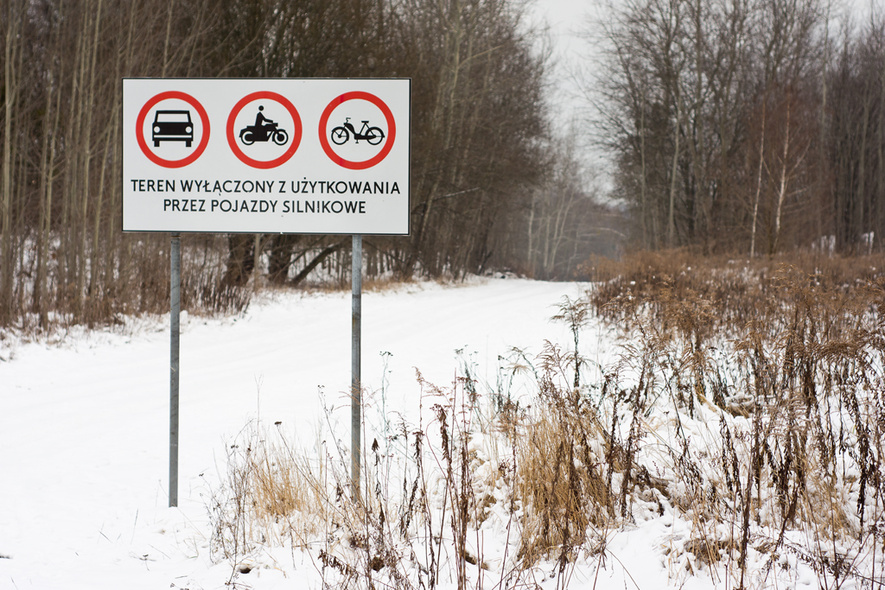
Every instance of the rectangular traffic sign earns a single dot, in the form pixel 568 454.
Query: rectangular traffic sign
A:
pixel 325 156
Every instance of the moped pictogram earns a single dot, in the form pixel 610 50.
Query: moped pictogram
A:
pixel 341 134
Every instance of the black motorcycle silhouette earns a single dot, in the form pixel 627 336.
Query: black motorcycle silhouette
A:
pixel 341 134
pixel 267 132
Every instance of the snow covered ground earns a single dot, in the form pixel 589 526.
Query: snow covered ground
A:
pixel 84 426
pixel 84 433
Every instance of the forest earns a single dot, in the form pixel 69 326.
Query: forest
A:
pixel 752 127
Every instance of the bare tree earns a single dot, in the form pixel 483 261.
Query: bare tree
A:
pixel 478 120
pixel 13 13
pixel 855 137
pixel 680 97
pixel 477 113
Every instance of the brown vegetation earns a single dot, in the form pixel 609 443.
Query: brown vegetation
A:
pixel 745 400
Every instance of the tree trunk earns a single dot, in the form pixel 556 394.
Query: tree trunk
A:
pixel 11 54
pixel 758 183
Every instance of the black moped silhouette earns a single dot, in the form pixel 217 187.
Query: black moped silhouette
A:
pixel 341 134
pixel 263 130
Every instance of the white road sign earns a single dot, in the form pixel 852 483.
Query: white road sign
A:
pixel 326 156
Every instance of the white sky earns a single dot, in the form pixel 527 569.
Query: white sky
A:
pixel 566 20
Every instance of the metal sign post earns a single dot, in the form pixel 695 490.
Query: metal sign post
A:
pixel 355 362
pixel 175 314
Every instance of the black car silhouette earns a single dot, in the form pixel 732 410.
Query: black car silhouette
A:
pixel 172 126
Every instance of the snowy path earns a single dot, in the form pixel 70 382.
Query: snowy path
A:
pixel 84 426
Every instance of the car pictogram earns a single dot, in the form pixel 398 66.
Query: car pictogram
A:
pixel 172 126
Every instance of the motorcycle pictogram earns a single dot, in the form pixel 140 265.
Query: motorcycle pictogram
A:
pixel 263 130
pixel 341 134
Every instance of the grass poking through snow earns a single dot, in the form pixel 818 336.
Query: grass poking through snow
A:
pixel 747 404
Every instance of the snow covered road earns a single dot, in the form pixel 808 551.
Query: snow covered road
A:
pixel 84 426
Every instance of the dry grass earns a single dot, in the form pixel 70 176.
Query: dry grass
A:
pixel 706 296
pixel 560 481
pixel 789 354
pixel 748 401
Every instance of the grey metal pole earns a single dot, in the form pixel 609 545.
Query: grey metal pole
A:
pixel 355 358
pixel 175 296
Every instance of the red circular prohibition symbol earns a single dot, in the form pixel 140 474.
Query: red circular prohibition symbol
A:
pixel 391 130
pixel 296 133
pixel 139 129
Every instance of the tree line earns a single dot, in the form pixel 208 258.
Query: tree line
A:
pixel 490 187
pixel 746 126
